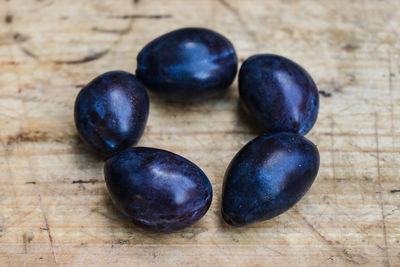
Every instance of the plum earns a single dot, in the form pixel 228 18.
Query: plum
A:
pixel 188 64
pixel 156 189
pixel 111 112
pixel 279 94
pixel 267 177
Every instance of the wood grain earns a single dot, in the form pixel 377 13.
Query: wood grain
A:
pixel 54 208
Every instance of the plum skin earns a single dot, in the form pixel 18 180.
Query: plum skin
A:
pixel 157 189
pixel 111 112
pixel 267 177
pixel 189 64
pixel 279 94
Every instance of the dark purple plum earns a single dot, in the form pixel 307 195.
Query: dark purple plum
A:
pixel 188 64
pixel 156 189
pixel 279 93
pixel 267 177
pixel 111 112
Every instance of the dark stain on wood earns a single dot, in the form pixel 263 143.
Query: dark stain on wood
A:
pixel 28 136
pixel 18 37
pixel 325 93
pixel 90 181
pixel 350 47
pixel 8 19
pixel 27 238
pixel 337 85
pixel 143 16
pixel 13 37
pixel 29 53
pixel 91 57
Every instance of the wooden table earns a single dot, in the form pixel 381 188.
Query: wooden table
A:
pixel 54 207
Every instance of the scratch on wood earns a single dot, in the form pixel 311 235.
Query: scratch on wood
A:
pixel 97 210
pixel 142 16
pixel 354 223
pixel 351 134
pixel 86 59
pixel 29 53
pixel 236 13
pixel 10 175
pixel 227 253
pixel 386 251
pixel 113 31
pixel 48 230
pixel 33 182
pixel 395 191
pixel 309 225
pixel 343 253
pixel 332 152
pixel 275 250
pixel 391 98
pixel 229 7
pixel 121 241
pixel 372 153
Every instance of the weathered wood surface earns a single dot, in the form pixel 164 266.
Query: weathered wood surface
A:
pixel 54 208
